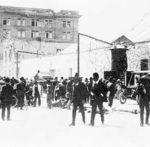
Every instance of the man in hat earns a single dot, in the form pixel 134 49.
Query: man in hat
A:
pixel 144 99
pixel 98 97
pixel 111 92
pixel 6 98
pixel 20 90
pixel 79 95
pixel 37 92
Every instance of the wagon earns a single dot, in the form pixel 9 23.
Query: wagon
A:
pixel 129 91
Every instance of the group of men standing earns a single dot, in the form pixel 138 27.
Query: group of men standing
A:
pixel 97 91
pixel 98 94
pixel 19 89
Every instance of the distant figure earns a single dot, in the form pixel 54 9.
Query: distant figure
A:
pixel 6 98
pixel 144 98
pixel 49 94
pixel 20 90
pixel 37 76
pixel 37 92
pixel 111 92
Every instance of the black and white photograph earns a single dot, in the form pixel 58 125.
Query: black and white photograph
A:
pixel 75 73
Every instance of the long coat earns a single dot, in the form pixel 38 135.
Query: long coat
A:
pixel 6 94
pixel 79 93
pixel 21 89
pixel 99 90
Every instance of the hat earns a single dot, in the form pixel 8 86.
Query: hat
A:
pixel 76 77
pixel 22 78
pixel 7 80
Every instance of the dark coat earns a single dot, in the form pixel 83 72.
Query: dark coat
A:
pixel 79 93
pixel 99 90
pixel 6 94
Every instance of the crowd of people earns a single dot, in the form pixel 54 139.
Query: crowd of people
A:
pixel 64 93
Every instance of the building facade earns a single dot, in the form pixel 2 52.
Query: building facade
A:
pixel 42 31
pixel 93 58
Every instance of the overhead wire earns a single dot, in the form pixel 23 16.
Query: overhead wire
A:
pixel 137 35
pixel 135 26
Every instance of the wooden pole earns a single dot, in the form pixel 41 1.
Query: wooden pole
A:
pixel 78 55
pixel 17 67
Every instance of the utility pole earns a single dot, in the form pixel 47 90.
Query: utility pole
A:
pixel 78 55
pixel 78 50
pixel 17 67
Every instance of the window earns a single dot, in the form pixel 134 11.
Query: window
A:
pixel 64 24
pixel 34 34
pixel 48 23
pixel 69 24
pixel 21 22
pixel 64 36
pixel 68 35
pixel 6 21
pixel 48 35
pixel 34 22
pixel 21 34
pixel 144 64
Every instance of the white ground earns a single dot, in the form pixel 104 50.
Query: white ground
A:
pixel 41 127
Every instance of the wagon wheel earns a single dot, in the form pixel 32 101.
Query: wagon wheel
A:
pixel 122 98
pixel 14 101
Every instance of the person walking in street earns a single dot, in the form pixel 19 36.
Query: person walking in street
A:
pixel 49 94
pixel 98 97
pixel 36 93
pixel 144 98
pixel 69 92
pixel 20 91
pixel 79 95
pixel 111 92
pixel 6 98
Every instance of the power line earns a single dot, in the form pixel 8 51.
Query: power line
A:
pixel 137 35
pixel 133 28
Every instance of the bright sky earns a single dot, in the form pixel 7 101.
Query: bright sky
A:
pixel 103 19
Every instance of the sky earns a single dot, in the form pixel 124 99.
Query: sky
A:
pixel 103 19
